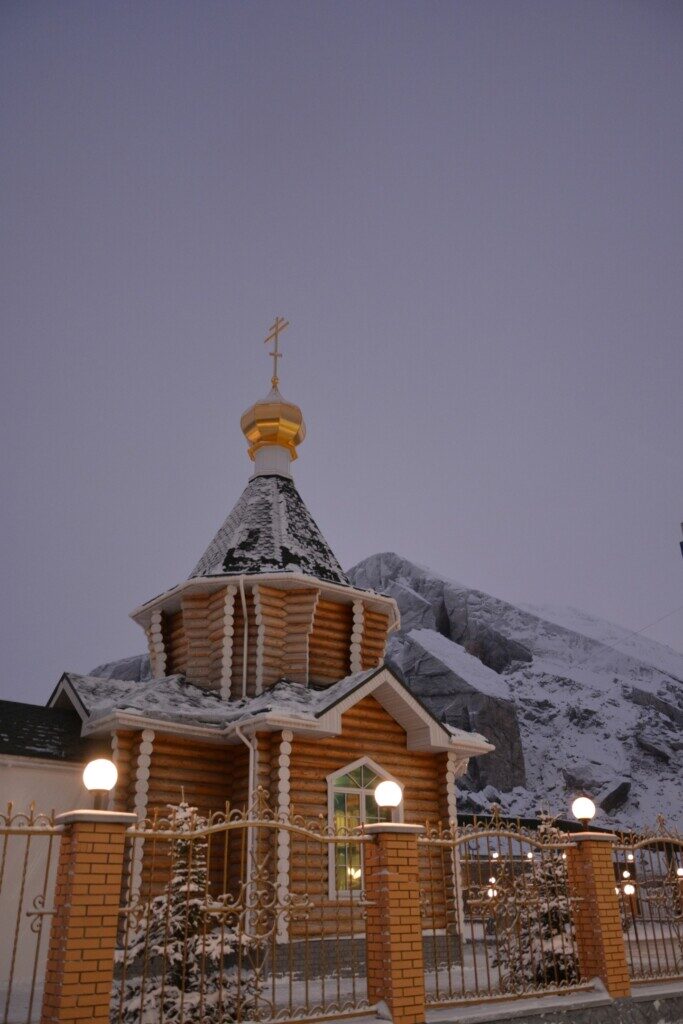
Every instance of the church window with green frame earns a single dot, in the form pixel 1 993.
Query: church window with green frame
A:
pixel 352 795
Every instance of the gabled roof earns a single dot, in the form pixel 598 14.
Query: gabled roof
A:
pixel 29 730
pixel 109 703
pixel 270 530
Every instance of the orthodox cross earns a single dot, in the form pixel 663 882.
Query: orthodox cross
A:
pixel 274 335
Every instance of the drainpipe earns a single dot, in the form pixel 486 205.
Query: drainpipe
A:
pixel 250 796
pixel 245 640
pixel 251 746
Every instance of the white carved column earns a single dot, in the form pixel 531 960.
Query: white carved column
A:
pixel 356 662
pixel 260 638
pixel 140 806
pixel 228 638
pixel 283 844
pixel 455 767
pixel 156 646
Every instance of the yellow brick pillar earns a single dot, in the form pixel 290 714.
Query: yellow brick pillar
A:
pixel 599 936
pixel 80 960
pixel 394 928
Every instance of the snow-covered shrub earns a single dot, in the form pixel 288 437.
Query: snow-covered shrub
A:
pixel 180 963
pixel 533 920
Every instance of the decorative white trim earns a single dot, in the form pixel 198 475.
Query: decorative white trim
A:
pixel 115 758
pixel 356 661
pixel 260 638
pixel 330 779
pixel 156 639
pixel 455 767
pixel 140 804
pixel 452 773
pixel 228 641
pixel 309 630
pixel 283 843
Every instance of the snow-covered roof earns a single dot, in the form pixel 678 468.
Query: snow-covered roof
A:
pixel 270 530
pixel 174 700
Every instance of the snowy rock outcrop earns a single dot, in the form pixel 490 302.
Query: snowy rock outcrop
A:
pixel 569 700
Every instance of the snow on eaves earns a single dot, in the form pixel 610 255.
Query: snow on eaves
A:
pixel 270 530
pixel 174 699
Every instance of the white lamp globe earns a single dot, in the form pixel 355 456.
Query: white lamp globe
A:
pixel 388 794
pixel 629 889
pixel 100 775
pixel 583 809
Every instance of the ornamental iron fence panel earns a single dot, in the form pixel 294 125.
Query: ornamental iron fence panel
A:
pixel 29 846
pixel 235 918
pixel 648 869
pixel 497 912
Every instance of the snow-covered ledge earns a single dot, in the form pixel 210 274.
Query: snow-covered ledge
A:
pixel 96 817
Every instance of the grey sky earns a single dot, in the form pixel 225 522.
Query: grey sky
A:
pixel 470 212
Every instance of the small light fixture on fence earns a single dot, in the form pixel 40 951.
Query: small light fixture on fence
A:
pixel 583 810
pixel 388 794
pixel 629 889
pixel 99 777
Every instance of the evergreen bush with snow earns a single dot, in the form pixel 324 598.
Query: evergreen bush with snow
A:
pixel 179 961
pixel 534 928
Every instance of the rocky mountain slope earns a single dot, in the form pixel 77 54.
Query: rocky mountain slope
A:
pixel 569 700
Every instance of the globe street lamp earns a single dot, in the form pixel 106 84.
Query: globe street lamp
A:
pixel 388 794
pixel 583 810
pixel 99 777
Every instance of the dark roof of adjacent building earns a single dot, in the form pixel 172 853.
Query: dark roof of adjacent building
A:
pixel 29 730
pixel 270 530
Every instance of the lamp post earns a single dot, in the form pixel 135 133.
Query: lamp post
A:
pixel 583 810
pixel 99 777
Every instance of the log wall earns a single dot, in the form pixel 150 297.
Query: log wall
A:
pixel 367 731
pixel 207 775
pixel 300 607
pixel 293 633
pixel 175 643
pixel 374 641
pixel 330 642
pixel 125 758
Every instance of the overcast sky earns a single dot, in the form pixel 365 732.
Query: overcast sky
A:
pixel 471 213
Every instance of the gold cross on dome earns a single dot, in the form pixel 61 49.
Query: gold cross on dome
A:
pixel 274 335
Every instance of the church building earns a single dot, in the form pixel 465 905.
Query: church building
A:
pixel 267 671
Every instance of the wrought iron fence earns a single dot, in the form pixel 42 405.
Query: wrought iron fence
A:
pixel 235 918
pixel 29 844
pixel 497 912
pixel 648 871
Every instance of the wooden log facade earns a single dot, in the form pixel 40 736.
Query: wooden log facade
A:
pixel 300 634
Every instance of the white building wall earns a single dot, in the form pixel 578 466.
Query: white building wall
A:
pixel 50 786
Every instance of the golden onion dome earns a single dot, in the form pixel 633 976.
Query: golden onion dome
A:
pixel 273 421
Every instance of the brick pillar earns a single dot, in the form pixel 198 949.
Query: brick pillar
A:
pixel 599 936
pixel 80 961
pixel 394 927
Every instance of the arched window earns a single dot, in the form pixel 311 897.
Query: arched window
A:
pixel 351 802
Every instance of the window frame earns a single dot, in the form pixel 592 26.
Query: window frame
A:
pixel 396 816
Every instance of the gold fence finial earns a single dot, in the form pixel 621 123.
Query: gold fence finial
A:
pixel 274 332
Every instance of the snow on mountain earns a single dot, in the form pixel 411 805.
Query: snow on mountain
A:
pixel 569 700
